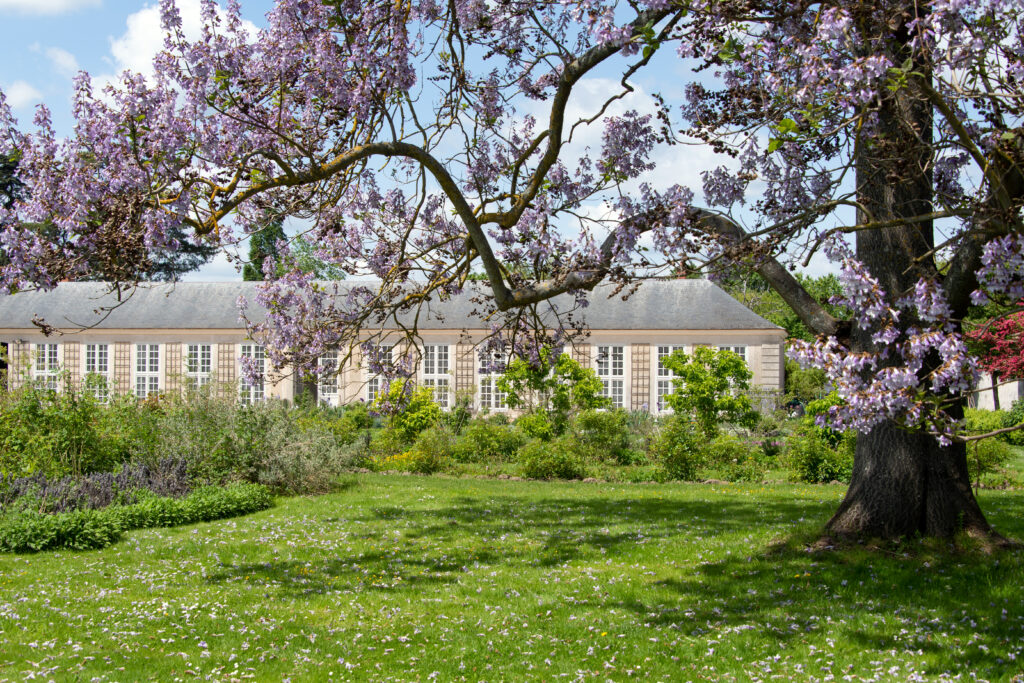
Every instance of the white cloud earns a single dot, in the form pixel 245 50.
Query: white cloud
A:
pixel 144 38
pixel 63 61
pixel 220 269
pixel 21 94
pixel 47 6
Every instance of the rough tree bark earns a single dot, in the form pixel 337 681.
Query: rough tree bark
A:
pixel 904 483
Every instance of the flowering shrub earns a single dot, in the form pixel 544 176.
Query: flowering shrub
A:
pixel 420 462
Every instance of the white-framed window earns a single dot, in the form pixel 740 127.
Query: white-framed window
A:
pixel 97 370
pixel 379 355
pixel 249 392
pixel 611 369
pixel 663 384
pixel 740 351
pixel 198 365
pixel 491 397
pixel 147 370
pixel 327 386
pixel 436 370
pixel 46 365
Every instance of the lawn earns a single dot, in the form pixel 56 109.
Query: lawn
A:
pixel 418 579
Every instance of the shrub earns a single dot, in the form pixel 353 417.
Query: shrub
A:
pixel 385 442
pixel 409 461
pixel 432 449
pixel 603 434
pixel 1015 416
pixel 459 415
pixel 310 462
pixel 555 384
pixel 320 420
pixel 737 460
pixel 986 456
pixel 536 425
pixel 821 407
pixel 411 410
pixel 556 459
pixel 803 384
pixel 483 441
pixel 357 415
pixel 983 421
pixel 815 461
pixel 32 531
pixel 678 449
pixel 56 434
pixel 288 451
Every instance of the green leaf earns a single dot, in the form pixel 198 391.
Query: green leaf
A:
pixel 787 126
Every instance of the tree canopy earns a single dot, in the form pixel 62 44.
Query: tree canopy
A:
pixel 421 139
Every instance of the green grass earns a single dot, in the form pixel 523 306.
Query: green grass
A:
pixel 418 579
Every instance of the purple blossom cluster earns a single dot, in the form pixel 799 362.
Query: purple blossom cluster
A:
pixel 911 371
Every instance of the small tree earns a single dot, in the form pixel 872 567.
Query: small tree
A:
pixel 710 385
pixel 262 244
pixel 560 384
pixel 999 345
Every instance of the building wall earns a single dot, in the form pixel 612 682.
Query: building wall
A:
pixel 763 350
pixel 1008 393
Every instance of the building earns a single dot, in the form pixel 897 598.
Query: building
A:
pixel 1010 391
pixel 166 337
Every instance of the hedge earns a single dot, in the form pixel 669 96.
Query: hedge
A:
pixel 31 531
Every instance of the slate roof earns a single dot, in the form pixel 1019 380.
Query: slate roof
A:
pixel 656 305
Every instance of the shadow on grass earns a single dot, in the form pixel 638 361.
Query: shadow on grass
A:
pixel 949 605
pixel 922 597
pixel 437 544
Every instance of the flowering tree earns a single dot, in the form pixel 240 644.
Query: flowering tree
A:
pixel 999 345
pixel 421 139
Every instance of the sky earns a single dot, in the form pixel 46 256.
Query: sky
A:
pixel 46 43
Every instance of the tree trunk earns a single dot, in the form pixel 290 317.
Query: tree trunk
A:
pixel 995 391
pixel 904 483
